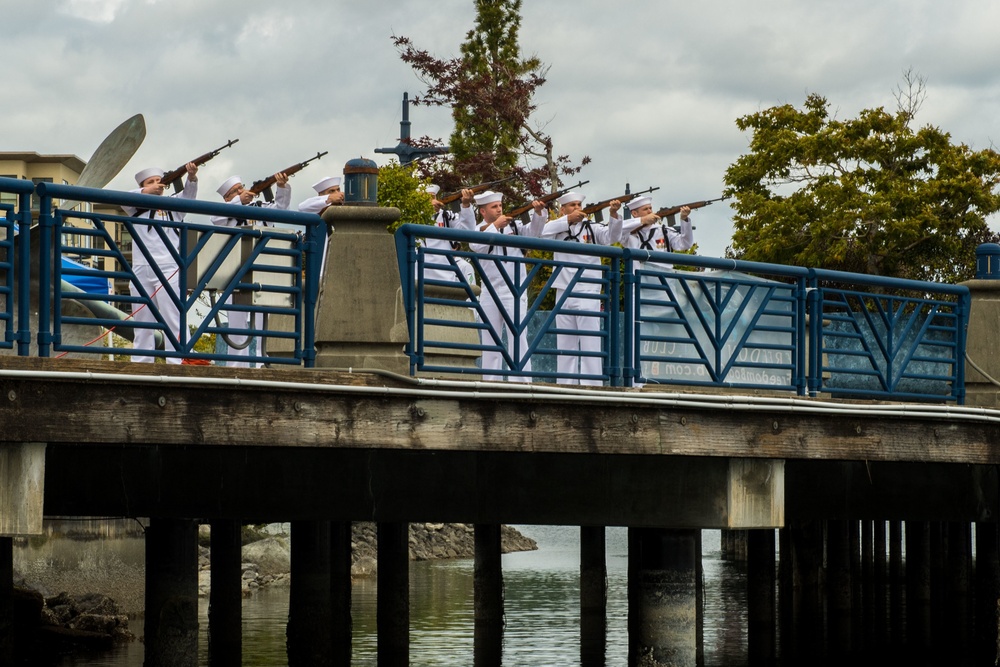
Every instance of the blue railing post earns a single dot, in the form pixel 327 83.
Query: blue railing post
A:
pixel 22 274
pixel 615 365
pixel 814 311
pixel 46 224
pixel 631 373
pixel 315 242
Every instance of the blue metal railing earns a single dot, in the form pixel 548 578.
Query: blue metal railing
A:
pixel 261 271
pixel 15 264
pixel 727 324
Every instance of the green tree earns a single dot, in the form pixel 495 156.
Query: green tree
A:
pixel 869 194
pixel 401 187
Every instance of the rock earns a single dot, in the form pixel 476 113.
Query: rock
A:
pixel 271 555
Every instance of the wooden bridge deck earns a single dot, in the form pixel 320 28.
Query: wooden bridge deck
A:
pixel 261 444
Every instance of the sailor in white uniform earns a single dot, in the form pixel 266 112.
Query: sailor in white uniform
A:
pixel 509 283
pixel 160 251
pixel 328 193
pixel 643 232
pixel 233 192
pixel 581 309
pixel 449 219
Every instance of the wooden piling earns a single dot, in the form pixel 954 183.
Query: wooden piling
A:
pixel 839 587
pixel 393 612
pixel 340 591
pixel 761 617
pixel 805 639
pixel 225 601
pixel 987 590
pixel 171 630
pixel 487 597
pixel 310 614
pixel 896 583
pixel 593 596
pixel 6 601
pixel 880 581
pixel 918 585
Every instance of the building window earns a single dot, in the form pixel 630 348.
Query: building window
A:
pixel 34 197
pixel 8 197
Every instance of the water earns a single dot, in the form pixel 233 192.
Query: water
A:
pixel 541 609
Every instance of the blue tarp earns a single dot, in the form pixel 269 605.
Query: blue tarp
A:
pixel 94 284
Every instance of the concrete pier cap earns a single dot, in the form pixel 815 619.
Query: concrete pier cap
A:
pixel 982 367
pixel 360 316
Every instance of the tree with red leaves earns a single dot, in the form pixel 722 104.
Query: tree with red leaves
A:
pixel 489 90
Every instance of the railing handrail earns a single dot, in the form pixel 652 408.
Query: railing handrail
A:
pixel 16 185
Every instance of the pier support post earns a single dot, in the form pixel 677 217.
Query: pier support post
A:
pixel 805 636
pixel 22 488
pixel 6 601
pixel 340 590
pixel 593 596
pixel 393 613
pixel 310 615
pixel 225 601
pixel 896 582
pixel 880 608
pixel 171 631
pixel 663 596
pixel 488 596
pixel 839 587
pixel 958 567
pixel 918 584
pixel 760 597
pixel 987 590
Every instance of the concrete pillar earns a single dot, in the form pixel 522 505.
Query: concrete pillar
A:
pixel 353 326
pixel 918 584
pixel 171 631
pixel 393 613
pixel 310 615
pixel 761 618
pixel 225 602
pixel 340 590
pixel 593 596
pixel 663 599
pixel 488 597
pixel 22 488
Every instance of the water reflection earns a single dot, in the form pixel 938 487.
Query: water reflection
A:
pixel 541 607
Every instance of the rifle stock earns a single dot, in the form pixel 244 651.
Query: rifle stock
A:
pixel 264 185
pixel 598 207
pixel 174 175
pixel 452 197
pixel 545 199
pixel 671 211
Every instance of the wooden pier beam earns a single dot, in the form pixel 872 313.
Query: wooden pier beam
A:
pixel 593 596
pixel 488 597
pixel 225 601
pixel 310 614
pixel 393 613
pixel 171 631
pixel 664 615
pixel 340 590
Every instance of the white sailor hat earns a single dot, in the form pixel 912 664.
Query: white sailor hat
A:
pixel 148 173
pixel 228 184
pixel 570 197
pixel 326 183
pixel 639 202
pixel 432 189
pixel 488 197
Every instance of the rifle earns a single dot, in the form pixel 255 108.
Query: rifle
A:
pixel 545 199
pixel 175 175
pixel 671 211
pixel 264 185
pixel 455 196
pixel 597 210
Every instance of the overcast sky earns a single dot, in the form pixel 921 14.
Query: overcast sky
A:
pixel 649 90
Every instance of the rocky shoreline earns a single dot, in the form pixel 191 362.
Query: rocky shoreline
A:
pixel 267 561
